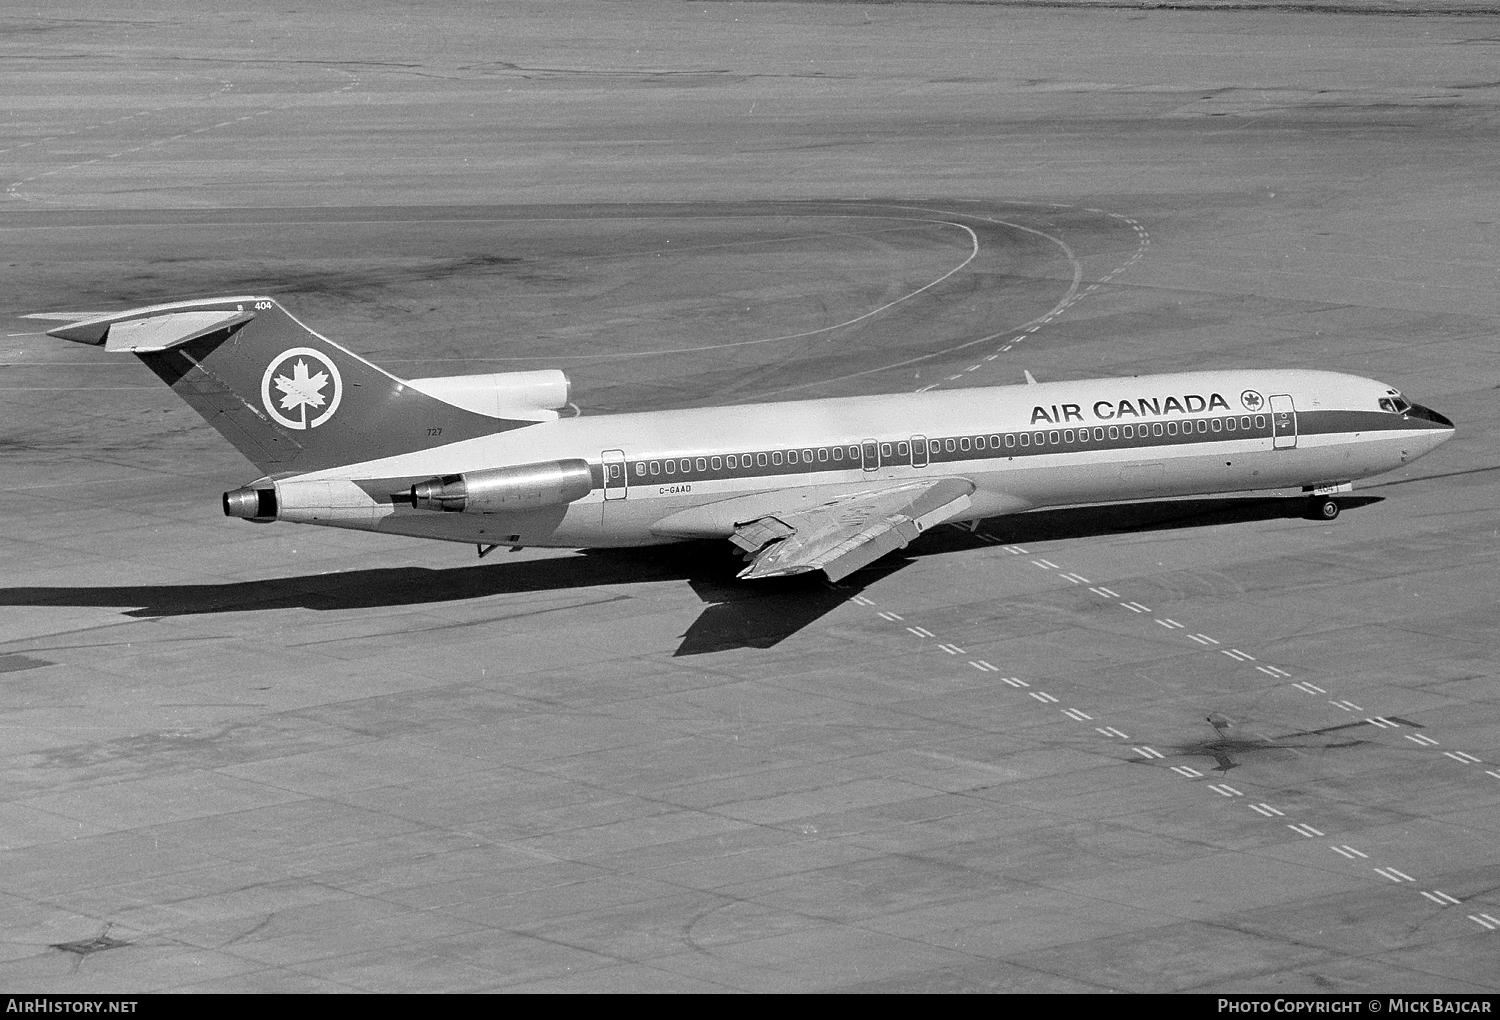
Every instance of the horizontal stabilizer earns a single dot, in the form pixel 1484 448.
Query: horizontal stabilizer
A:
pixel 158 328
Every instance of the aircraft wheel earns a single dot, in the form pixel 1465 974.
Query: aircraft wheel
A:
pixel 1323 508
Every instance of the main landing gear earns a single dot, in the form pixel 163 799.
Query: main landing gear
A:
pixel 1322 508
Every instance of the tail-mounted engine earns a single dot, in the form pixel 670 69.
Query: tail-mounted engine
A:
pixel 506 490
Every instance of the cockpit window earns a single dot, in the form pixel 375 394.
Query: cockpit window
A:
pixel 1396 404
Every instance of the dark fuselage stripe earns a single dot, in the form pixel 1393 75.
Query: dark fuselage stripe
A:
pixel 679 468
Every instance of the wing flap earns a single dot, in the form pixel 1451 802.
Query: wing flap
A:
pixel 846 534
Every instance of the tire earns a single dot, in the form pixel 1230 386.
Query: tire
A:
pixel 1324 509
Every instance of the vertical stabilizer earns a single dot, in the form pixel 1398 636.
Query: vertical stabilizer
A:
pixel 288 399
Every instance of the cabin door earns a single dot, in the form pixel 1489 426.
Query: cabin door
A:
pixel 616 478
pixel 1283 421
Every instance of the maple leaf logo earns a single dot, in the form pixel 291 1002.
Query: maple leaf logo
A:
pixel 301 390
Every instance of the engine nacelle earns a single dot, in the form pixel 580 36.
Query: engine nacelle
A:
pixel 524 396
pixel 506 490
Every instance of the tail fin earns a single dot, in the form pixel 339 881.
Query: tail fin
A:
pixel 287 398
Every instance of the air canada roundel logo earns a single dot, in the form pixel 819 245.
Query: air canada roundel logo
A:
pixel 1251 400
pixel 301 388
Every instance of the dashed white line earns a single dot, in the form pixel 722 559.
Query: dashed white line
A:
pixel 1148 752
pixel 1110 731
pixel 1347 706
pixel 1307 688
pixel 1075 714
pixel 1462 758
pixel 984 667
pixel 1303 829
pixel 1225 790
pixel 1135 607
pixel 1015 681
pixel 1187 770
pixel 921 632
pixel 1267 810
pixel 1422 739
pixel 1045 564
pixel 1485 921
pixel 1237 655
pixel 1382 722
pixel 1015 550
pixel 1044 697
pixel 1105 593
pixel 1169 623
pixel 1074 578
pixel 1394 875
pixel 892 617
pixel 952 649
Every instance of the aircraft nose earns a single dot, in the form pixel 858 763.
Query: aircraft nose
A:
pixel 1428 414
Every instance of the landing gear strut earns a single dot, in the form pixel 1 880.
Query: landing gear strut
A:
pixel 1322 508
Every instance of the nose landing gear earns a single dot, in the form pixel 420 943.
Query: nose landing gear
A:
pixel 1322 508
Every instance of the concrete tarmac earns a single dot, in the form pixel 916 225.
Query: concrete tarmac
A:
pixel 1192 745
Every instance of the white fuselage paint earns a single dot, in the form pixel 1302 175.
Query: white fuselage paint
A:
pixel 1333 446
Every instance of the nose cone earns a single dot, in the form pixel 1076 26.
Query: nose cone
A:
pixel 1428 414
pixel 1440 428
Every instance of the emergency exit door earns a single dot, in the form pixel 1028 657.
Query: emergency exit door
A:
pixel 1283 421
pixel 616 478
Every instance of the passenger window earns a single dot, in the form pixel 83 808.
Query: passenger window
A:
pixel 1260 421
pixel 1129 431
pixel 702 464
pixel 716 463
pixel 1202 425
pixel 1025 439
pixel 656 467
pixel 1216 425
pixel 1171 428
pixel 807 456
pixel 823 454
pixel 640 468
pixel 949 445
pixel 1245 422
pixel 671 467
pixel 885 451
pixel 791 456
pixel 776 458
pixel 731 462
pixel 1229 424
pixel 963 444
pixel 1114 432
pixel 1083 435
pixel 1010 439
pixel 1156 428
pixel 994 442
pixel 1067 435
pixel 838 453
pixel 1039 438
pixel 934 447
pixel 760 460
pixel 903 450
pixel 1053 437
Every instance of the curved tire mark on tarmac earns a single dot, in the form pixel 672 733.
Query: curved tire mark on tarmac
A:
pixel 973 254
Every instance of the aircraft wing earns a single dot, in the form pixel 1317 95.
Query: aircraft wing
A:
pixel 846 533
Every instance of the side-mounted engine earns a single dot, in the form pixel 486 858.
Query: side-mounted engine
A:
pixel 507 489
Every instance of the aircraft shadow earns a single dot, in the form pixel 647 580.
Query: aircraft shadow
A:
pixel 738 614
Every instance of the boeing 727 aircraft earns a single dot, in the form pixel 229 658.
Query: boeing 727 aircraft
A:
pixel 799 486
